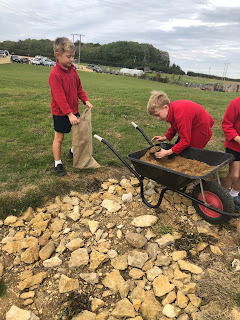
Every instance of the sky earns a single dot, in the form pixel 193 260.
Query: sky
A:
pixel 199 35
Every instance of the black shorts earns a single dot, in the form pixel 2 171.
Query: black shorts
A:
pixel 235 153
pixel 62 123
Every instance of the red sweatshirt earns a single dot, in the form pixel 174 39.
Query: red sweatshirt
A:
pixel 66 88
pixel 231 124
pixel 192 122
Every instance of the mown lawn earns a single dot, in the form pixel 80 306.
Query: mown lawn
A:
pixel 26 162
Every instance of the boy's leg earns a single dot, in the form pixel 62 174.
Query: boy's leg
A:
pixel 57 146
pixel 233 176
pixel 232 181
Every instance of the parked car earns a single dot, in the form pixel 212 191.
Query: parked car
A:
pixel 6 51
pixel 97 69
pixel 3 54
pixel 36 61
pixel 90 66
pixel 24 60
pixel 15 58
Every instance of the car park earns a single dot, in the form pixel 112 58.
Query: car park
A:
pixel 15 58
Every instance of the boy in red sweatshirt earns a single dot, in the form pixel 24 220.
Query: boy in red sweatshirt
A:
pixel 231 130
pixel 189 119
pixel 66 89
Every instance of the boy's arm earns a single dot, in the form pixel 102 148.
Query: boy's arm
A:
pixel 228 122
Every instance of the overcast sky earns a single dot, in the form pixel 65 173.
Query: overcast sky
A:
pixel 199 35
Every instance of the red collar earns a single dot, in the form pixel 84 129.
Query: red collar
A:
pixel 62 68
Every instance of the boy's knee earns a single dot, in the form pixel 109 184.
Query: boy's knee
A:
pixel 58 137
pixel 234 177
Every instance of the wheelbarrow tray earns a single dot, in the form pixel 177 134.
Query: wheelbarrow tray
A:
pixel 174 179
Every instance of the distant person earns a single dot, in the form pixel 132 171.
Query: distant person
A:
pixel 188 119
pixel 66 89
pixel 231 130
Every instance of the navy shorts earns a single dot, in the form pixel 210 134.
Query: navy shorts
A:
pixel 235 153
pixel 62 123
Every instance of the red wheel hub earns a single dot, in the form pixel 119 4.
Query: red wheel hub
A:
pixel 214 201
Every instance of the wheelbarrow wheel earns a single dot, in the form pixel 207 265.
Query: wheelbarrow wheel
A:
pixel 217 197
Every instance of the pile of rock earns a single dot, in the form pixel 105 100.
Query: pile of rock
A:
pixel 103 245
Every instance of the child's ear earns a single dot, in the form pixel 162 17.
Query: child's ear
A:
pixel 56 54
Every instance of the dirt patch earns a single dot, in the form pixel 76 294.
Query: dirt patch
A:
pixel 179 164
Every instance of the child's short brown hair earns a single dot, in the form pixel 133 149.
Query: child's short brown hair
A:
pixel 62 45
pixel 157 100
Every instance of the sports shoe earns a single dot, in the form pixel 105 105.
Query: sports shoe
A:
pixel 70 154
pixel 60 170
pixel 236 202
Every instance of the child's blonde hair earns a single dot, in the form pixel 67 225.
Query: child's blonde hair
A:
pixel 157 100
pixel 62 45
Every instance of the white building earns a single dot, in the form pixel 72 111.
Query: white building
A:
pixel 131 72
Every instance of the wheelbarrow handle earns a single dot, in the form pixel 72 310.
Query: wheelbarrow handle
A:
pixel 145 136
pixel 98 137
pixel 119 156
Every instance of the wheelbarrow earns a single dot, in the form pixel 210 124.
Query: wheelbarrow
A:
pixel 210 200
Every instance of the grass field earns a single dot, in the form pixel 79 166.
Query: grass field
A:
pixel 26 162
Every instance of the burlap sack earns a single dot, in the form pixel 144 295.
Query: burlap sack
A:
pixel 82 142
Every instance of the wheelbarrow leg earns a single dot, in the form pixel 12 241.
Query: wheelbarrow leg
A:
pixel 148 203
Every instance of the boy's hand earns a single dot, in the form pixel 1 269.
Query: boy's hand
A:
pixel 237 139
pixel 159 138
pixel 73 119
pixel 163 153
pixel 90 106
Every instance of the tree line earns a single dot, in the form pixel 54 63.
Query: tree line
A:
pixel 128 54
pixel 119 54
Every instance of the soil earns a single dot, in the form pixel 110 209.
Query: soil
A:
pixel 178 163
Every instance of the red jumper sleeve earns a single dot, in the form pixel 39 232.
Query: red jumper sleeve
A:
pixel 58 93
pixel 185 129
pixel 228 122
pixel 170 133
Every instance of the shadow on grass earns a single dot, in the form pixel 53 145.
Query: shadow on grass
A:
pixel 13 204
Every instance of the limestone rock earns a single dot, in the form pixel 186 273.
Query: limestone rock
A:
pixel 124 308
pixel 47 250
pixel 52 262
pixel 137 258
pixel 31 254
pixel 67 284
pixel 110 205
pixel 135 239
pixel 144 221
pixel 16 313
pixel 120 262
pixel 32 281
pixel 161 286
pixel 97 259
pixel 165 240
pixel 150 308
pixel 185 265
pixel 79 258
pixel 85 315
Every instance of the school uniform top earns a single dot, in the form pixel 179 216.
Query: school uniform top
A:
pixel 231 124
pixel 192 123
pixel 66 88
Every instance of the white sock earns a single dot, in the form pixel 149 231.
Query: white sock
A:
pixel 58 162
pixel 234 193
pixel 72 149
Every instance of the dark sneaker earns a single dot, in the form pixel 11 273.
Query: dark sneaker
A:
pixel 70 154
pixel 236 202
pixel 60 170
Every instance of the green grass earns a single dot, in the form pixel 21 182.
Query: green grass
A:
pixel 26 162
pixel 3 288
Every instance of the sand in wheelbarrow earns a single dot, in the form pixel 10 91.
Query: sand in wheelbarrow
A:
pixel 178 163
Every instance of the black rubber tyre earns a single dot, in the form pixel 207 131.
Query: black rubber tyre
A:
pixel 217 197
